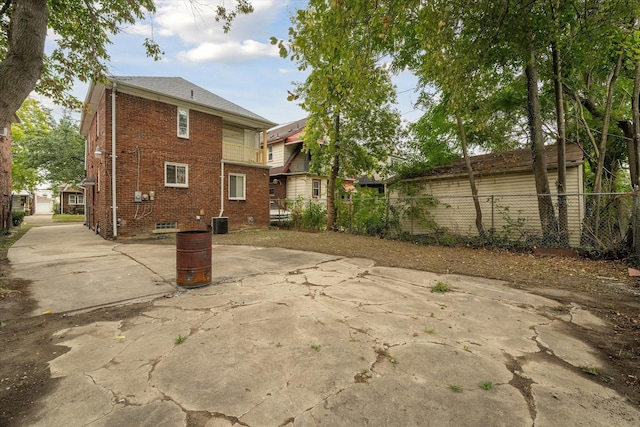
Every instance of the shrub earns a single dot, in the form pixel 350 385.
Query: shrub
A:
pixel 17 217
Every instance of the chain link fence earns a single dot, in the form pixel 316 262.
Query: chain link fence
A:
pixel 597 223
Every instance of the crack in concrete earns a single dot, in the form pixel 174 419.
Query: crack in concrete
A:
pixel 115 249
pixel 522 383
pixel 111 404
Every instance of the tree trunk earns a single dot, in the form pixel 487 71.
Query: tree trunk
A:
pixel 548 220
pixel 22 66
pixel 472 181
pixel 563 220
pixel 602 149
pixel 332 207
pixel 634 157
pixel 634 151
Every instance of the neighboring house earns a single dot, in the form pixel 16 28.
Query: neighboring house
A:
pixel 505 176
pixel 289 174
pixel 71 200
pixel 165 155
pixel 22 201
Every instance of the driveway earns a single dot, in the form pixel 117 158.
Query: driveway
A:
pixel 298 338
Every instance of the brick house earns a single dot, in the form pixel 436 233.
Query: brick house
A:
pixel 172 156
pixel 71 199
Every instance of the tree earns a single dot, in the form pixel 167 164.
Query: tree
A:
pixel 352 125
pixel 46 150
pixel 35 121
pixel 58 154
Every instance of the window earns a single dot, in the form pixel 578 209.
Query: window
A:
pixel 316 188
pixel 176 175
pixel 76 199
pixel 237 186
pixel 166 225
pixel 270 152
pixel 183 123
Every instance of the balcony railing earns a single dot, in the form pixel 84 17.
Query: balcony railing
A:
pixel 242 153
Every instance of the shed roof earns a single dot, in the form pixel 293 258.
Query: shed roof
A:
pixel 507 161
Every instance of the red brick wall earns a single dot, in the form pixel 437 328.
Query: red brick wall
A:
pixel 99 195
pixel 255 209
pixel 146 139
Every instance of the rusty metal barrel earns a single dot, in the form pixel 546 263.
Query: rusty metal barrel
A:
pixel 193 258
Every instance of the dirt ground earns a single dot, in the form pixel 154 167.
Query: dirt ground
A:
pixel 603 287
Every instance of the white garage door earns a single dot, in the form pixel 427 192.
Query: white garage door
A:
pixel 44 205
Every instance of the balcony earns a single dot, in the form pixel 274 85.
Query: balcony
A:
pixel 242 153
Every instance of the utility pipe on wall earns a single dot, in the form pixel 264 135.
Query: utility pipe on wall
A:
pixel 114 218
pixel 221 188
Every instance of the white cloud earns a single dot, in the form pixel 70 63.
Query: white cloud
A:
pixel 230 51
pixel 287 70
pixel 203 39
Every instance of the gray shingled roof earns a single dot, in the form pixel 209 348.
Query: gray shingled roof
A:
pixel 179 88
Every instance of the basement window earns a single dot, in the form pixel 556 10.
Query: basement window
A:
pixel 166 225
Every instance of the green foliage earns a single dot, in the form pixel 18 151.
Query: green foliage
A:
pixel 512 229
pixel 46 150
pixel 367 212
pixel 487 385
pixel 307 214
pixel 455 388
pixel 352 125
pixel 414 205
pixel 17 217
pixel 314 217
pixel 35 121
pixel 440 288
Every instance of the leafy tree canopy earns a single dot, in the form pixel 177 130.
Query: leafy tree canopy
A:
pixel 45 150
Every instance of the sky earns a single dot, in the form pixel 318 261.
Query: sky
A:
pixel 240 66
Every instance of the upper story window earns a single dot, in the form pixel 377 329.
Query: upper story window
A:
pixel 176 175
pixel 270 153
pixel 183 123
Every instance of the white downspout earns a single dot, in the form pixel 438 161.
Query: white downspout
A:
pixel 221 188
pixel 113 161
pixel 84 189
